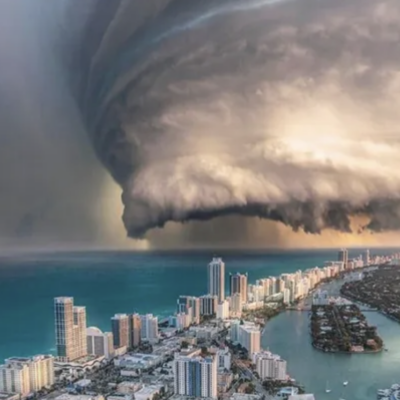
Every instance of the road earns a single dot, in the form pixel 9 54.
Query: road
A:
pixel 249 375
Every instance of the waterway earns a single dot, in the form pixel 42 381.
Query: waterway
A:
pixel 288 335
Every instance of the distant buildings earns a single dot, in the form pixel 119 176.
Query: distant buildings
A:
pixel 248 335
pixel 270 366
pixel 216 278
pixel 238 284
pixel 70 326
pixel 343 256
pixel 236 305
pixel 208 305
pixel 135 326
pixel 224 358
pixel 189 305
pixel 99 343
pixel 195 376
pixel 367 258
pixel 223 310
pixel 149 327
pixel 26 375
pixel 120 330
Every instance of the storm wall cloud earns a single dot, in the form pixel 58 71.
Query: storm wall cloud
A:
pixel 285 110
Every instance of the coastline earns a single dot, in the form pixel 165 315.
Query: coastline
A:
pixel 346 352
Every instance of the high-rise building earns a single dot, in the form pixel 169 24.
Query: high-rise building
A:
pixel 149 327
pixel 189 305
pixel 250 338
pixel 223 310
pixel 135 325
pixel 343 256
pixel 216 278
pixel 120 330
pixel 270 366
pixel 195 376
pixel 80 331
pixel 236 305
pixel 208 305
pixel 70 326
pixel 99 343
pixel 25 375
pixel 367 259
pixel 238 284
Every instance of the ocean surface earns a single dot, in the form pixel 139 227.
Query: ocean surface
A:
pixel 150 282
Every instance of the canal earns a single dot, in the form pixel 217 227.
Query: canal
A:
pixel 288 335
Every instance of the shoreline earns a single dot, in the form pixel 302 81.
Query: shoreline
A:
pixel 346 352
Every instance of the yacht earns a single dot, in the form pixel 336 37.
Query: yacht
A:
pixel 327 390
pixel 345 383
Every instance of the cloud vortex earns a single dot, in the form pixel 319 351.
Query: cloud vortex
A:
pixel 286 110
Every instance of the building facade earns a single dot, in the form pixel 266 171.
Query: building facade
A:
pixel 189 305
pixel 216 278
pixel 70 329
pixel 149 327
pixel 343 256
pixel 270 366
pixel 26 375
pixel 135 326
pixel 208 305
pixel 120 330
pixel 195 376
pixel 238 284
pixel 99 343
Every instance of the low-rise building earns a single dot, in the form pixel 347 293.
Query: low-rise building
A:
pixel 224 380
pixel 67 396
pixel 302 397
pixel 224 358
pixel 128 387
pixel 148 392
pixel 138 361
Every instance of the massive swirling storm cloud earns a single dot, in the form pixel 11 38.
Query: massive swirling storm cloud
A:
pixel 286 110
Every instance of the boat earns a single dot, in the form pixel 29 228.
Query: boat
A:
pixel 327 390
pixel 345 383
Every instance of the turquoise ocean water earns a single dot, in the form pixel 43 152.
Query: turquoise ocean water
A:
pixel 109 283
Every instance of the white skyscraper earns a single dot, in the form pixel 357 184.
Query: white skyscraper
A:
pixel 99 343
pixel 195 376
pixel 216 278
pixel 367 259
pixel 70 326
pixel 149 327
pixel 343 256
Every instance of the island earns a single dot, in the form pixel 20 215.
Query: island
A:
pixel 342 328
pixel 379 288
